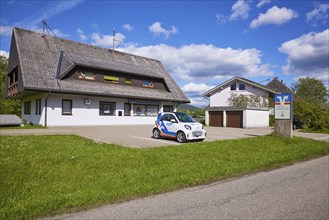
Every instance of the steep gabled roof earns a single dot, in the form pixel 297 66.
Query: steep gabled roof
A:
pixel 237 79
pixel 44 61
pixel 278 86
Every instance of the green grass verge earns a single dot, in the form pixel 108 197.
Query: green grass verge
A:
pixel 46 175
pixel 311 130
pixel 23 127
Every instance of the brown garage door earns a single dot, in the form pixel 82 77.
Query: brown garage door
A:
pixel 234 119
pixel 216 119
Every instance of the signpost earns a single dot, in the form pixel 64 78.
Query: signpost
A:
pixel 283 114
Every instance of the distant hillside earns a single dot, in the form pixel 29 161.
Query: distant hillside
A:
pixel 188 107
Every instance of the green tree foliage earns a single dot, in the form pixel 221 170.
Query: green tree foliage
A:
pixel 311 90
pixel 7 106
pixel 311 103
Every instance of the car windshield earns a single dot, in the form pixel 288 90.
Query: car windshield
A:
pixel 183 117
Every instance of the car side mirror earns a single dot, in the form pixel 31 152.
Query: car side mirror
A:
pixel 173 120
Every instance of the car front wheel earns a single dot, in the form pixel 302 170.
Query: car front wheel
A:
pixel 181 138
pixel 156 133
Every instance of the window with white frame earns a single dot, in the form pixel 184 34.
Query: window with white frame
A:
pixel 146 110
pixel 86 75
pixel 107 108
pixel 148 84
pixel 27 108
pixel 233 86
pixel 242 86
pixel 38 106
pixel 66 107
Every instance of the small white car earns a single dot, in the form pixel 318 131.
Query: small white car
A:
pixel 178 125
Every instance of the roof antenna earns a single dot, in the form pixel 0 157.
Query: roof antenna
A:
pixel 45 27
pixel 264 80
pixel 113 32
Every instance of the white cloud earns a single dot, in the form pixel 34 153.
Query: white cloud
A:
pixel 4 53
pixel 34 22
pixel 107 40
pixel 308 55
pixel 275 16
pixel 221 19
pixel 94 26
pixel 320 13
pixel 262 3
pixel 51 10
pixel 82 36
pixel 127 27
pixel 157 29
pixel 193 91
pixel 6 30
pixel 204 63
pixel 195 88
pixel 199 101
pixel 240 9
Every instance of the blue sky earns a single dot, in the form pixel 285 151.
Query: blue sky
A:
pixel 201 43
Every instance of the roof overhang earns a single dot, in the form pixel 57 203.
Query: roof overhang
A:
pixel 236 79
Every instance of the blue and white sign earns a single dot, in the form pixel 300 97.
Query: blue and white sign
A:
pixel 283 106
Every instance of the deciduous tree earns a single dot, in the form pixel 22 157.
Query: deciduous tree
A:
pixel 7 106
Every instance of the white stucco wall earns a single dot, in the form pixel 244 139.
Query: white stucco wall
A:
pixel 33 118
pixel 83 114
pixel 256 118
pixel 220 98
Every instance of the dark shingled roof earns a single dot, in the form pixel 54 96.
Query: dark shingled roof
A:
pixel 44 61
pixel 278 86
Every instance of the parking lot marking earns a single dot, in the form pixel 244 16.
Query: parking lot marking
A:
pixel 152 139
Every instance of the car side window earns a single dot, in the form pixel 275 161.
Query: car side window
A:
pixel 164 118
pixel 172 117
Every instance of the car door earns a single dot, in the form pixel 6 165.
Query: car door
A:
pixel 169 125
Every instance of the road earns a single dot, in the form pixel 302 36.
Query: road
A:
pixel 300 191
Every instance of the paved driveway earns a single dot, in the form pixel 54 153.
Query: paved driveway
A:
pixel 136 136
pixel 140 136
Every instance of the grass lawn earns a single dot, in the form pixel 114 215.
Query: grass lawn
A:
pixel 46 175
pixel 310 130
pixel 23 127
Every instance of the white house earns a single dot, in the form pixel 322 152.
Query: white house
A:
pixel 64 83
pixel 222 113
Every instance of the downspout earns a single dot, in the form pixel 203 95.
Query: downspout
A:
pixel 46 107
pixel 59 66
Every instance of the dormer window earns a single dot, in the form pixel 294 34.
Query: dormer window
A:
pixel 111 79
pixel 86 75
pixel 128 81
pixel 148 84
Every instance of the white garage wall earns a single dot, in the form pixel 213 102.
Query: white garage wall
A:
pixel 256 118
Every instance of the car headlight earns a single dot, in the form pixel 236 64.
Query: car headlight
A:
pixel 188 127
pixel 202 127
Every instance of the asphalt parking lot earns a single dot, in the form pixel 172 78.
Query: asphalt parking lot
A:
pixel 136 136
pixel 140 136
